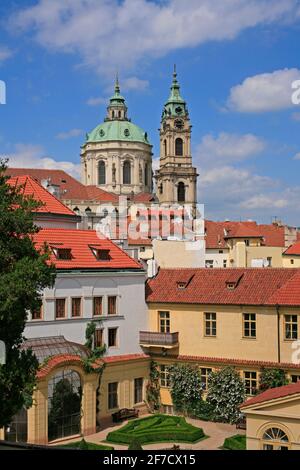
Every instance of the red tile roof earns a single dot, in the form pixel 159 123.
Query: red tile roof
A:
pixel 124 358
pixel 273 394
pixel 268 286
pixel 56 361
pixel 80 241
pixel 69 187
pixel 51 205
pixel 217 232
pixel 293 249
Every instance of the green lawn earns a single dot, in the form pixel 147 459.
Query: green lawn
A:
pixel 157 428
pixel 237 442
pixel 90 446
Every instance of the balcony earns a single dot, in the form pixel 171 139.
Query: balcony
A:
pixel 159 340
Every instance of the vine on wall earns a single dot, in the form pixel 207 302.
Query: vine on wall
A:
pixel 153 388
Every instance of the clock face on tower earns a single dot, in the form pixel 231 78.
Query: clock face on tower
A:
pixel 179 124
pixel 178 110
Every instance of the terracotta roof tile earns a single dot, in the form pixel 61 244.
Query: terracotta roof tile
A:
pixel 80 242
pixel 124 358
pixel 55 361
pixel 293 249
pixel 237 362
pixel 259 286
pixel 273 394
pixel 51 205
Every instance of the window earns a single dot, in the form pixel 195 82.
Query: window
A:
pixel 204 377
pixel 291 326
pixel 138 390
pixel 97 311
pixel 76 307
pixel 37 314
pixel 164 322
pixel 224 263
pixel 113 395
pixel 112 337
pixel 127 173
pixel 292 261
pixel 275 439
pixel 269 261
pixel 295 378
pixel 62 253
pixel 221 251
pixel 249 325
pixel 101 173
pixel 100 254
pixel 181 192
pixel 60 308
pixel 209 263
pixel 247 242
pixel 112 305
pixel 179 147
pixel 165 380
pixel 146 174
pixel 210 324
pixel 98 338
pixel 250 381
pixel 165 148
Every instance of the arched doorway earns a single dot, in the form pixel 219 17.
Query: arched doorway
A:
pixel 275 439
pixel 181 192
pixel 64 404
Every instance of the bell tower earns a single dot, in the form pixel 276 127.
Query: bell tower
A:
pixel 176 179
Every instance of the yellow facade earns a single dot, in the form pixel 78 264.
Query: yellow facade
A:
pixel 291 261
pixel 243 253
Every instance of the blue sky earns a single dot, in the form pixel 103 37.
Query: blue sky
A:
pixel 236 62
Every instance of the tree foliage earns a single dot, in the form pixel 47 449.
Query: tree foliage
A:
pixel 153 388
pixel 24 274
pixel 226 392
pixel 186 387
pixel 271 378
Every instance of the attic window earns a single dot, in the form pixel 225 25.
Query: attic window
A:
pixel 63 181
pixel 181 285
pixel 231 285
pixel 184 281
pixel 62 253
pixel 233 281
pixel 101 254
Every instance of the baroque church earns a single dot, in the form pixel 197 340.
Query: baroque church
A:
pixel 117 155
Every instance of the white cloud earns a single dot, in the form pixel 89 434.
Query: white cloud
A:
pixel 296 116
pixel 33 156
pixel 263 201
pixel 297 156
pixel 264 92
pixel 69 134
pixel 110 35
pixel 5 53
pixel 228 148
pixel 96 101
pixel 134 83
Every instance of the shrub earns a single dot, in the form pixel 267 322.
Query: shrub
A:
pixel 272 378
pixel 83 445
pixel 237 442
pixel 226 392
pixel 186 386
pixel 202 410
pixel 135 445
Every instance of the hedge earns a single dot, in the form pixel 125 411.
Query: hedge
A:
pixel 237 442
pixel 157 428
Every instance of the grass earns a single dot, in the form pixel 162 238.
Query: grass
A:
pixel 155 429
pixel 237 442
pixel 90 446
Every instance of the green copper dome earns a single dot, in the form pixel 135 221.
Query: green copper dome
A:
pixel 117 130
pixel 175 106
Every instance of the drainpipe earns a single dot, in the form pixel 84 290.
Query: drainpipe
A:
pixel 278 334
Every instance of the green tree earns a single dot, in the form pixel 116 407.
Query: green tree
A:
pixel 272 378
pixel 186 387
pixel 226 392
pixel 24 274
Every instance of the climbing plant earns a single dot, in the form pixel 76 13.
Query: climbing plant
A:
pixel 153 388
pixel 271 378
pixel 186 387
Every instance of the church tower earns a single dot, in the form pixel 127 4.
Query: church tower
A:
pixel 176 179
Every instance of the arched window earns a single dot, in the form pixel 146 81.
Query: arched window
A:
pixel 179 147
pixel 113 114
pixel 146 174
pixel 275 439
pixel 165 148
pixel 64 404
pixel 120 114
pixel 181 192
pixel 101 173
pixel 127 172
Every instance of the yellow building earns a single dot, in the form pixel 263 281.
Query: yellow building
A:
pixel 248 318
pixel 291 256
pixel 273 419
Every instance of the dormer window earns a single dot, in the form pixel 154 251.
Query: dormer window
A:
pixel 62 253
pixel 101 254
pixel 231 285
pixel 233 281
pixel 181 285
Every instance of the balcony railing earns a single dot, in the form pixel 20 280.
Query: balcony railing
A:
pixel 164 340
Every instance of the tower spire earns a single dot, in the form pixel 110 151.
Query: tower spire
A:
pixel 117 84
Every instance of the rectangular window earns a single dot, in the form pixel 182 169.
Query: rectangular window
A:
pixel 76 307
pixel 224 263
pixel 113 395
pixel 210 326
pixel 60 308
pixel 112 305
pixel 97 310
pixel 295 378
pixel 112 337
pixel 37 314
pixel 249 320
pixel 209 263
pixel 98 338
pixel 204 377
pixel 138 390
pixel 250 381
pixel 165 376
pixel 291 326
pixel 164 322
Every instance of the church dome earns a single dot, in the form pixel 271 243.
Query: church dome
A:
pixel 117 131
